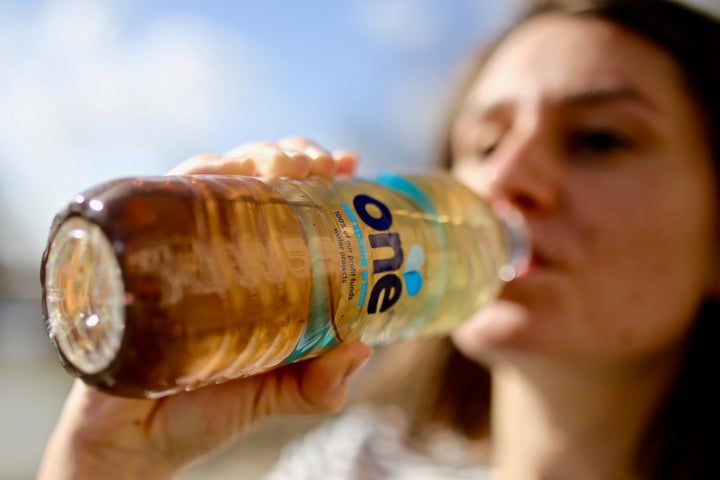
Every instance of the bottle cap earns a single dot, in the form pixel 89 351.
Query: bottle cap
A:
pixel 84 296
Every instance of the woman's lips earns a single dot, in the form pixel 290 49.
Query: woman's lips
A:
pixel 536 262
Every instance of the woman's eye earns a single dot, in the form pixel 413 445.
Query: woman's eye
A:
pixel 485 150
pixel 484 140
pixel 597 142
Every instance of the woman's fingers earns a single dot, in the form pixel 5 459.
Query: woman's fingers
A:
pixel 294 157
pixel 346 162
pixel 271 160
pixel 215 164
pixel 321 160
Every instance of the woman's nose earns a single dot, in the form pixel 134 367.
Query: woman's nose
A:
pixel 525 174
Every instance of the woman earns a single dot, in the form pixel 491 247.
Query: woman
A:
pixel 599 121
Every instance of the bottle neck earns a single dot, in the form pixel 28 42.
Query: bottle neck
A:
pixel 517 239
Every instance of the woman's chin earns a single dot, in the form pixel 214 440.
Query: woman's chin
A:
pixel 500 327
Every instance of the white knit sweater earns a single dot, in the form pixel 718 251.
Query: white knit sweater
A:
pixel 366 444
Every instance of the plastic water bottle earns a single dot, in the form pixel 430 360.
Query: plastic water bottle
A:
pixel 157 285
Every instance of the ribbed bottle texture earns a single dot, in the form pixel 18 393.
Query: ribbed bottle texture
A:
pixel 157 285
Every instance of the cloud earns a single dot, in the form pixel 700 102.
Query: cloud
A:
pixel 86 96
pixel 400 24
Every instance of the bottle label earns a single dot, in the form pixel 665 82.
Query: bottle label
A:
pixel 377 261
pixel 388 288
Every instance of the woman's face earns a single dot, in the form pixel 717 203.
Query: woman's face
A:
pixel 588 130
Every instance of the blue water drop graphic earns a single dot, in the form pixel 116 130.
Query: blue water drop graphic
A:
pixel 413 278
pixel 413 282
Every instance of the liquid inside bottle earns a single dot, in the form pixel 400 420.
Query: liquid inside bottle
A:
pixel 157 285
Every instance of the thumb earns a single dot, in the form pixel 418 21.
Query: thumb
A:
pixel 320 385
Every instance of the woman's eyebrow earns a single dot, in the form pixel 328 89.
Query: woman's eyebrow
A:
pixel 599 96
pixel 582 98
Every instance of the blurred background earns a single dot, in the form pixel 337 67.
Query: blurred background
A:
pixel 96 89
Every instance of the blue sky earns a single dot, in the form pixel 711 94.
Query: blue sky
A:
pixel 96 89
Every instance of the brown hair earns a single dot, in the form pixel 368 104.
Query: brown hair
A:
pixel 438 387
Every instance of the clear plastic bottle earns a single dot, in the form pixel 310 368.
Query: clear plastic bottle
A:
pixel 156 285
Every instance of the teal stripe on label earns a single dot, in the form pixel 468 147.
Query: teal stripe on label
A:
pixel 409 189
pixel 318 332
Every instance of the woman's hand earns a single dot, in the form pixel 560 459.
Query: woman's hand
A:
pixel 291 157
pixel 102 436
